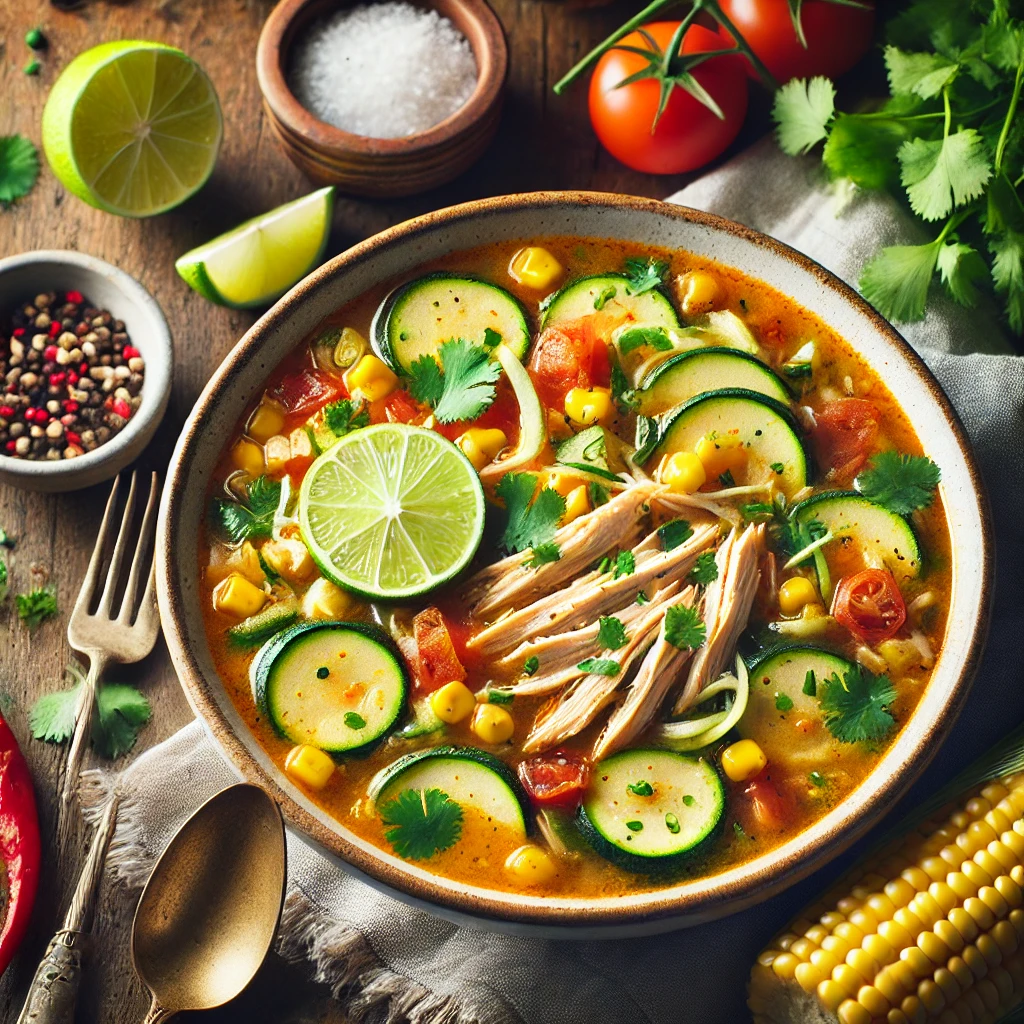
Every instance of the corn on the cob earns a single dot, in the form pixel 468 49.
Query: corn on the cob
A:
pixel 931 928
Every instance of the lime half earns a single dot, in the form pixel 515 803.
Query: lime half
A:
pixel 391 511
pixel 261 259
pixel 132 127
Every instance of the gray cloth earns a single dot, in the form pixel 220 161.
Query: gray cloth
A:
pixel 388 962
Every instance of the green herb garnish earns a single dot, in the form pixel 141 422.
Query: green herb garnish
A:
pixel 635 826
pixel 817 779
pixel 726 479
pixel 345 415
pixel 902 483
pixel 688 800
pixel 492 339
pixel 604 296
pixel 672 823
pixel 36 605
pixel 645 274
pixel 253 519
pixel 625 564
pixel 354 720
pixel 498 695
pixel 779 467
pixel 810 687
pixel 421 822
pixel 19 168
pixel 674 533
pixel 640 788
pixel 684 628
pixel 705 569
pixel 854 707
pixel 611 633
pixel 599 495
pixel 783 702
pixel 600 667
pixel 542 554
pixel 637 337
pixel 461 387
pixel 528 524
pixel 622 394
pixel 531 665
pixel 642 598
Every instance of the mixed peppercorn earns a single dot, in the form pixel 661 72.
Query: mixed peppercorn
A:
pixel 72 378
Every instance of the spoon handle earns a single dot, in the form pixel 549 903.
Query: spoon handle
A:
pixel 157 1014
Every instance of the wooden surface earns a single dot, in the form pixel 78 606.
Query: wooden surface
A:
pixel 544 142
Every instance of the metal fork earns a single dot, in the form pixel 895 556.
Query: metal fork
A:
pixel 108 635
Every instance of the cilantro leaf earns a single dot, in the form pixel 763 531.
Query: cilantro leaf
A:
pixel 531 665
pixel 644 274
pixel 256 517
pixel 36 605
pixel 462 387
pixel 705 569
pixel 925 74
pixel 802 111
pixel 854 708
pixel 674 533
pixel 611 633
pixel 783 702
pixel 641 788
pixel 1008 274
pixel 637 337
pixel 345 415
pixel 896 281
pixel 940 174
pixel 863 149
pixel 684 628
pixel 625 564
pixel 52 717
pixel 600 667
pixel 542 554
pixel 421 822
pixel 528 525
pixel 961 268
pixel 19 168
pixel 121 712
pixel 902 483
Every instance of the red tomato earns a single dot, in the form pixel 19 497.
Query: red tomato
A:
pixel 837 36
pixel 306 390
pixel 571 355
pixel 436 660
pixel 555 780
pixel 398 407
pixel 688 134
pixel 844 436
pixel 767 804
pixel 870 605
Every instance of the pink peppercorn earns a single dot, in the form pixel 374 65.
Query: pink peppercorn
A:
pixel 57 378
pixel 6 411
pixel 18 332
pixel 55 328
pixel 72 437
pixel 131 352
pixel 122 408
pixel 10 446
pixel 74 297
pixel 50 353
pixel 83 369
pixel 72 378
pixel 69 406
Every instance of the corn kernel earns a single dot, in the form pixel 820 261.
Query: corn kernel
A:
pixel 309 765
pixel 809 976
pixel 372 377
pixel 831 993
pixel 247 456
pixel 795 593
pixel 873 1001
pixel 453 702
pixel 492 724
pixel 698 292
pixel 586 407
pixel 535 267
pixel 531 865
pixel 851 1012
pixel 721 453
pixel 683 472
pixel 576 504
pixel 481 446
pixel 236 596
pixel 742 760
pixel 288 557
pixel 785 966
pixel 324 600
pixel 267 420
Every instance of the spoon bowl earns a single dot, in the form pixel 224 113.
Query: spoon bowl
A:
pixel 211 907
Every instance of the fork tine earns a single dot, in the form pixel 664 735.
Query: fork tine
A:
pixel 91 581
pixel 118 556
pixel 145 536
pixel 148 618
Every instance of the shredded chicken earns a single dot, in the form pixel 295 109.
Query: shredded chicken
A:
pixel 727 603
pixel 581 542
pixel 680 504
pixel 593 595
pixel 658 674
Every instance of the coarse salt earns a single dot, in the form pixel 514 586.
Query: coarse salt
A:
pixel 383 70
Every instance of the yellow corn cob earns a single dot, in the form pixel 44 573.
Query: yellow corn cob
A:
pixel 930 928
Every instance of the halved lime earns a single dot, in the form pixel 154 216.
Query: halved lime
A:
pixel 132 127
pixel 257 262
pixel 391 511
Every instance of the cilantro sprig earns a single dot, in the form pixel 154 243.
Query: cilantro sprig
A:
pixel 705 569
pixel 253 519
pixel 684 628
pixel 345 415
pixel 460 386
pixel 645 275
pixel 530 522
pixel 19 168
pixel 611 633
pixel 855 707
pixel 421 822
pixel 902 483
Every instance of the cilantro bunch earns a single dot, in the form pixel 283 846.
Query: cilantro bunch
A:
pixel 948 140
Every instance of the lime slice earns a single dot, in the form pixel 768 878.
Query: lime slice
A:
pixel 132 127
pixel 391 511
pixel 261 259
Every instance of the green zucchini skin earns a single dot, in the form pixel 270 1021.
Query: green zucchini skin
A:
pixel 273 661
pixel 256 629
pixel 410 310
pixel 576 299
pixel 662 849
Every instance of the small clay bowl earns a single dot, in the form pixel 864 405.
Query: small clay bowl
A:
pixel 383 167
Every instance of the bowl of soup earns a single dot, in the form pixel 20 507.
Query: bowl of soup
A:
pixel 575 564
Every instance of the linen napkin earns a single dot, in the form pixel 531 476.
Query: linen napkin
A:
pixel 389 963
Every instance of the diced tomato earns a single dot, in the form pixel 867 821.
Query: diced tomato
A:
pixel 600 365
pixel 460 628
pixel 398 407
pixel 555 780
pixel 845 436
pixel 870 605
pixel 569 356
pixel 436 660
pixel 296 468
pixel 306 390
pixel 767 805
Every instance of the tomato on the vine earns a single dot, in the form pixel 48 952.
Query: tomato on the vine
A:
pixel 837 35
pixel 869 604
pixel 688 134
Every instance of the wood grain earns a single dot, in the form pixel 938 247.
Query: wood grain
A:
pixel 544 141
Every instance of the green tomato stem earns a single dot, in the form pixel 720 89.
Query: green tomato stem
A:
pixel 716 12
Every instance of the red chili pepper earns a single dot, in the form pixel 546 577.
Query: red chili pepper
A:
pixel 75 297
pixel 54 328
pixel 19 843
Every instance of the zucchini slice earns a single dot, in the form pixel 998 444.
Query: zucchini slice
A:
pixel 783 691
pixel 417 317
pixel 254 630
pixel 688 374
pixel 768 430
pixel 470 777
pixel 883 536
pixel 609 293
pixel 642 832
pixel 338 686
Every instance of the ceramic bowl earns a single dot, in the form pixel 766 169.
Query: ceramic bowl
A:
pixel 383 167
pixel 398 251
pixel 25 276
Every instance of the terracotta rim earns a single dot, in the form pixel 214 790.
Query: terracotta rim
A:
pixel 271 56
pixel 714 897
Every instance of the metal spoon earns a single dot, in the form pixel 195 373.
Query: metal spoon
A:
pixel 210 909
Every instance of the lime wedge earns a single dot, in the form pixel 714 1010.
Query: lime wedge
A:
pixel 391 511
pixel 253 264
pixel 132 127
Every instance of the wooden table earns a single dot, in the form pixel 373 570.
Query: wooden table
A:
pixel 545 142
